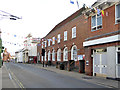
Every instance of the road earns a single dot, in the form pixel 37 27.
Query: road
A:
pixel 28 76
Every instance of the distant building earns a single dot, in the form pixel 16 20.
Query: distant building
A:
pixel 6 55
pixel 19 56
pixel 30 49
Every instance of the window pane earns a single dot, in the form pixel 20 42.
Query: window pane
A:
pixel 94 21
pixel 59 55
pixel 73 32
pixel 53 40
pixel 99 20
pixel 53 55
pixel 42 44
pixel 65 54
pixel 58 38
pixel 118 11
pixel 65 35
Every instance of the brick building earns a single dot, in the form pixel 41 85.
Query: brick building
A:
pixel 87 33
pixel 63 39
pixel 102 45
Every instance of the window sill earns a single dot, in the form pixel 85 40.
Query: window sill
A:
pixel 117 23
pixel 65 40
pixel 97 29
pixel 73 37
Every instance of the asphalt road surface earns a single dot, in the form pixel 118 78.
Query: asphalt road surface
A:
pixel 28 76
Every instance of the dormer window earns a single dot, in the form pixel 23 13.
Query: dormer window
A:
pixel 118 13
pixel 96 22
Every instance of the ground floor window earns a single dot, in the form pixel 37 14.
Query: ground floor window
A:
pixel 74 53
pixel 65 54
pixel 59 55
pixel 48 55
pixel 45 56
pixel 42 58
pixel 53 55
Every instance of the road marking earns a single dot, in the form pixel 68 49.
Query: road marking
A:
pixel 18 82
pixel 12 76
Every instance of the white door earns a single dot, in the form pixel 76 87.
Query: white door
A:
pixel 100 64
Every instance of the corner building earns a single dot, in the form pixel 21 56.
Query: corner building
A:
pixel 102 45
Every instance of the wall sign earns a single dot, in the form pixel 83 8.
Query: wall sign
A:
pixel 80 57
pixel 87 62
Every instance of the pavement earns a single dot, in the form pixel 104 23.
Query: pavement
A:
pixel 93 79
pixel 6 77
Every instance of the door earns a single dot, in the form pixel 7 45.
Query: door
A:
pixel 118 65
pixel 100 64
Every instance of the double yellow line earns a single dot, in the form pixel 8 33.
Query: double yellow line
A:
pixel 15 78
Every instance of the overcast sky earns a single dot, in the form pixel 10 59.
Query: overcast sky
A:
pixel 38 18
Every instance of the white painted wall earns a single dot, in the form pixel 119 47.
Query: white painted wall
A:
pixel 32 51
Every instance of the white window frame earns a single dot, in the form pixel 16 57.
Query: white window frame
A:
pixel 45 43
pixel 49 56
pixel 116 19
pixel 96 27
pixel 53 55
pixel 53 40
pixel 74 32
pixel 73 56
pixel 58 40
pixel 42 44
pixel 45 56
pixel 65 54
pixel 59 55
pixel 42 58
pixel 49 42
pixel 65 35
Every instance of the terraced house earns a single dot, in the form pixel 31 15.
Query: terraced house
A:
pixel 88 40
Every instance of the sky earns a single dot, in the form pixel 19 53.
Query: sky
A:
pixel 39 17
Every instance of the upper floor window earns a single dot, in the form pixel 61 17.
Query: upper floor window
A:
pixel 45 43
pixel 65 35
pixel 48 42
pixel 74 32
pixel 53 40
pixel 118 13
pixel 58 38
pixel 96 22
pixel 42 44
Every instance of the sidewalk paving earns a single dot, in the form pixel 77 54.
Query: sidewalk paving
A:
pixel 93 79
pixel 7 82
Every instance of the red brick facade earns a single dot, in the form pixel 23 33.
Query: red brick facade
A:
pixel 83 34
